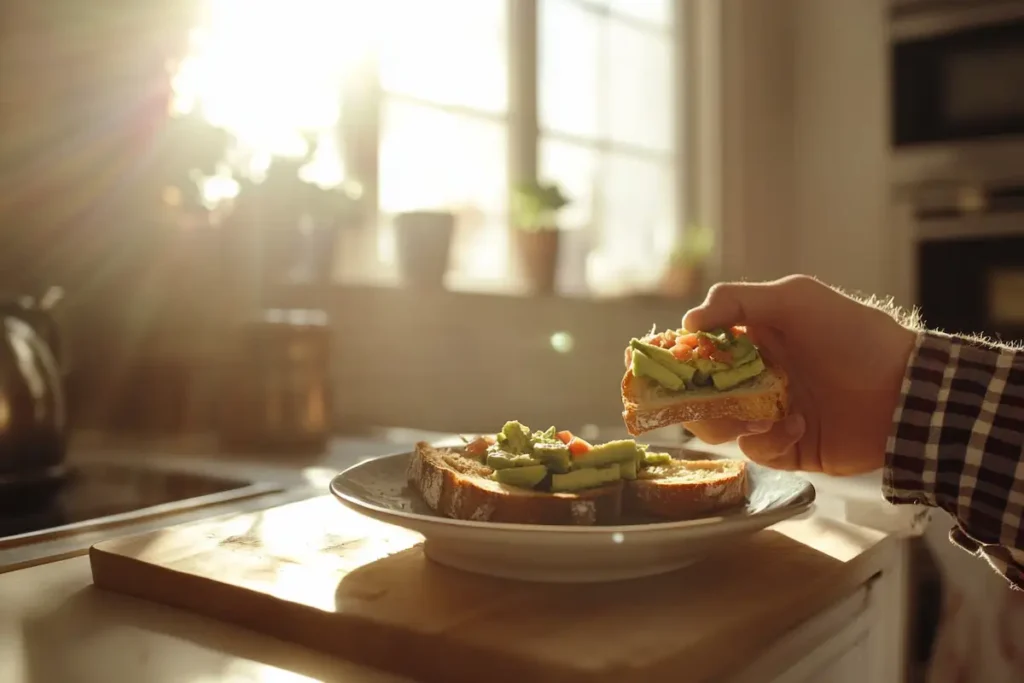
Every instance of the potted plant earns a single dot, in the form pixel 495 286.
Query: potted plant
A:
pixel 535 207
pixel 298 221
pixel 684 273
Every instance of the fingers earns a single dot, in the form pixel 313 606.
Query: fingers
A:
pixel 742 303
pixel 776 448
pixel 720 431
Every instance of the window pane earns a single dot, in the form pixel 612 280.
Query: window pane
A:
pixel 639 97
pixel 638 224
pixel 270 72
pixel 569 60
pixel 431 158
pixel 654 11
pixel 575 168
pixel 446 51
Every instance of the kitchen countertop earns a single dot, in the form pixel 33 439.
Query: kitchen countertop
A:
pixel 55 627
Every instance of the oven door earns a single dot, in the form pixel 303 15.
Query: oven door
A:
pixel 958 73
pixel 970 272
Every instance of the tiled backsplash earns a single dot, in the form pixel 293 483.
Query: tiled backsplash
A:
pixel 431 360
pixel 464 362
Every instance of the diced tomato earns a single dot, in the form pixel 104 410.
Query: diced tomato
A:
pixel 705 347
pixel 565 437
pixel 477 447
pixel 722 356
pixel 670 337
pixel 578 447
pixel 689 339
pixel 682 352
pixel 738 330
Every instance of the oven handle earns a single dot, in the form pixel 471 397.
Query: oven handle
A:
pixel 969 226
pixel 912 21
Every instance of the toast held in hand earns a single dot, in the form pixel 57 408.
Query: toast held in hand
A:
pixel 678 376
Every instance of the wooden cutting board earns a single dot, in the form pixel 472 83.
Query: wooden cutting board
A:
pixel 321 575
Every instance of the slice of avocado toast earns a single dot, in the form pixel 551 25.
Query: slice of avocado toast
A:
pixel 524 477
pixel 679 376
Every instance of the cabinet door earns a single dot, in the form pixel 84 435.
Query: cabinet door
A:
pixel 848 667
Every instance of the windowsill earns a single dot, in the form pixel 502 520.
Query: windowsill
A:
pixel 456 283
pixel 469 287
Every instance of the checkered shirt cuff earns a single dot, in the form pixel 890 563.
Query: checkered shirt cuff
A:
pixel 957 444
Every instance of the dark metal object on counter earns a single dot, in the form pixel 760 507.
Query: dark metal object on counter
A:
pixel 33 419
pixel 276 389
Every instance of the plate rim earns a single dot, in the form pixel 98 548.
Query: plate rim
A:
pixel 782 513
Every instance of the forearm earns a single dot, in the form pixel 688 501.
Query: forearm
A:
pixel 957 444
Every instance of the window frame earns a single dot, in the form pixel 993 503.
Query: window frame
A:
pixel 695 192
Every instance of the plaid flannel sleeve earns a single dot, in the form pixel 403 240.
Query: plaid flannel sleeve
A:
pixel 957 443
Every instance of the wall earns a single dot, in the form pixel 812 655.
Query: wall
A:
pixel 842 146
pixel 437 361
pixel 758 141
pixel 805 177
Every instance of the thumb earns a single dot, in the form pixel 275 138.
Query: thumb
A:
pixel 746 303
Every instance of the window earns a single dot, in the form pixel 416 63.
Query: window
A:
pixel 413 100
pixel 607 131
pixel 444 74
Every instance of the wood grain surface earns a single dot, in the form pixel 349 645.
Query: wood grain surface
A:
pixel 316 573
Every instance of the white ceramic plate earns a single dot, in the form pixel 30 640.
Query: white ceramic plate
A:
pixel 568 554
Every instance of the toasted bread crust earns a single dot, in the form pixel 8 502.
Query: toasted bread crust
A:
pixel 769 404
pixel 458 487
pixel 673 499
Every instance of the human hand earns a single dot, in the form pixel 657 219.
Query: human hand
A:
pixel 845 361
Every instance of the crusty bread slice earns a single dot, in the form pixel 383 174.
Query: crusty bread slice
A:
pixel 687 488
pixel 457 486
pixel 645 408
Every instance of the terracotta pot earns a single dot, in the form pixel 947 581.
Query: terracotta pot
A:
pixel 538 255
pixel 681 281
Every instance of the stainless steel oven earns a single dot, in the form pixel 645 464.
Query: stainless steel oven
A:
pixel 957 174
pixel 970 257
pixel 957 71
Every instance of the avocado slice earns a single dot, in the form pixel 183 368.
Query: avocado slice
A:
pixel 612 452
pixel 585 479
pixel 554 456
pixel 547 436
pixel 514 437
pixel 664 358
pixel 627 470
pixel 498 460
pixel 708 366
pixel 727 379
pixel 743 351
pixel 523 477
pixel 643 366
pixel 657 458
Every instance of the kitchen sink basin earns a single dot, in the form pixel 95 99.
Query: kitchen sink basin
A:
pixel 98 495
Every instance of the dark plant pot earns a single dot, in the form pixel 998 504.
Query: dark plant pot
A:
pixel 538 254
pixel 423 240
